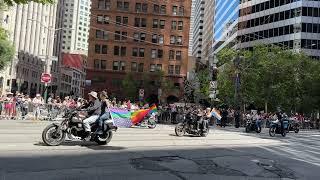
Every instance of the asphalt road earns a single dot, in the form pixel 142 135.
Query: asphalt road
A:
pixel 157 154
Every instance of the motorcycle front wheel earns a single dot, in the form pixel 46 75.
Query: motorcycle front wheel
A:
pixel 272 131
pixel 179 130
pixel 52 135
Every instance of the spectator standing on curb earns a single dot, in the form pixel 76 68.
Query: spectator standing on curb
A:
pixel 37 103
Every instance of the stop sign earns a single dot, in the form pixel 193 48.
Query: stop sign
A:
pixel 45 77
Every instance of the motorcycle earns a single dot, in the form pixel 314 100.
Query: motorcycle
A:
pixel 275 128
pixel 252 126
pixel 293 126
pixel 149 121
pixel 190 126
pixel 72 126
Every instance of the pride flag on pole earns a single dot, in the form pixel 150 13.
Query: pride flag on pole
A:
pixel 124 118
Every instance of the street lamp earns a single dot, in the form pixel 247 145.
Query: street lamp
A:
pixel 48 54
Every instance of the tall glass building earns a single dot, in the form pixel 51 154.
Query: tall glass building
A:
pixel 225 23
pixel 293 24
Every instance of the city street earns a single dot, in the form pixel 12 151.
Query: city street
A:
pixel 157 154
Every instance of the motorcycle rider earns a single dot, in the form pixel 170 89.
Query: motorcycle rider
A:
pixel 105 114
pixel 94 110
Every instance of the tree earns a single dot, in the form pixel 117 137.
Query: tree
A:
pixel 130 86
pixel 6 49
pixel 271 77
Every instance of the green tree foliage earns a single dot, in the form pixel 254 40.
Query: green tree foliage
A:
pixel 6 49
pixel 130 86
pixel 203 89
pixel 271 76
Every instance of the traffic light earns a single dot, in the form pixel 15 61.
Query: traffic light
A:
pixel 214 74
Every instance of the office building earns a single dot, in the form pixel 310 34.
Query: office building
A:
pixel 207 37
pixel 198 29
pixel 137 36
pixel 31 30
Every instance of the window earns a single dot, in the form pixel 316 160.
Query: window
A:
pixel 118 20
pixel 125 20
pixel 161 39
pixel 123 51
pixel 106 19
pixel 134 66
pixel 170 69
pixel 144 7
pixel 96 64
pixel 156 8
pixel 163 9
pixel 154 38
pixel 178 55
pixel 117 36
pixel 153 53
pixel 140 67
pixel 172 39
pixel 115 66
pixel 138 7
pixel 103 64
pixel 104 49
pixel 171 55
pixel 124 36
pixel 174 10
pixel 181 11
pixel 135 52
pixel 155 23
pixel 180 25
pixel 141 52
pixel 179 40
pixel 142 37
pixel 136 37
pixel 100 19
pixel 126 6
pixel 162 23
pixel 122 66
pixel 174 25
pixel 140 22
pixel 103 4
pixel 116 51
pixel 97 49
pixel 177 70
pixel 159 67
pixel 152 67
pixel 160 53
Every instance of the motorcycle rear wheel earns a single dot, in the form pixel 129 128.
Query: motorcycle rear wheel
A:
pixel 51 137
pixel 179 129
pixel 104 139
pixel 272 131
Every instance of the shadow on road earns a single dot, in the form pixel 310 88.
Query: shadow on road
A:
pixel 89 145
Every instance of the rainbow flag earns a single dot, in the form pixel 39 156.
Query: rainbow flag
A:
pixel 124 118
pixel 139 115
pixel 153 109
pixel 216 114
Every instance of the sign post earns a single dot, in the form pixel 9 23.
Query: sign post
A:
pixel 46 79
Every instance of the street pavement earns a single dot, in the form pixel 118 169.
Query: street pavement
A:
pixel 157 154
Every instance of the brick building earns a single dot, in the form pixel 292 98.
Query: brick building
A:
pixel 141 37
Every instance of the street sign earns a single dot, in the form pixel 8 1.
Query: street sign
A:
pixel 212 96
pixel 213 84
pixel 45 78
pixel 141 93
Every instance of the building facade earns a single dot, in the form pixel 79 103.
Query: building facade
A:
pixel 191 27
pixel 292 24
pixel 31 28
pixel 140 37
pixel 197 38
pixel 207 40
pixel 73 17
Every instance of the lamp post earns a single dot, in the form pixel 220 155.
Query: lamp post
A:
pixel 48 52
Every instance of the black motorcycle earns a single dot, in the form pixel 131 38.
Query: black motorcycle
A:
pixel 193 124
pixel 293 126
pixel 276 128
pixel 251 125
pixel 72 126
